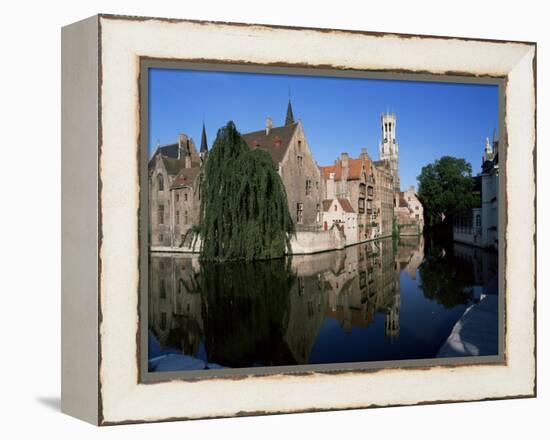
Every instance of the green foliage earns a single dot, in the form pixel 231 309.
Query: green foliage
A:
pixel 445 189
pixel 247 307
pixel 244 211
pixel 396 229
pixel 444 278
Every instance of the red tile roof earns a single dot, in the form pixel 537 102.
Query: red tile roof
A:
pixel 355 167
pixel 344 203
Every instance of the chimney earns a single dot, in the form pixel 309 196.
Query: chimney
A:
pixel 268 125
pixel 181 141
pixel 344 158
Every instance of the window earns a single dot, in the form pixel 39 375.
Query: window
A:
pixel 177 216
pixel 478 220
pixel 370 191
pixel 362 187
pixel 335 207
pixel 361 206
pixel 308 187
pixel 162 289
pixel 185 197
pixel 300 213
pixel 300 160
pixel 318 211
pixel 300 145
pixel 161 214
pixel 160 182
pixel 161 238
pixel 177 197
pixel 185 218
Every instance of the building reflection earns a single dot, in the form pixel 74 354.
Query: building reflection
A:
pixel 270 313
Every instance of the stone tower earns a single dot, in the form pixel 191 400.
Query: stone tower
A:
pixel 389 149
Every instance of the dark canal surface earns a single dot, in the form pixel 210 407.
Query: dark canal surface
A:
pixel 370 302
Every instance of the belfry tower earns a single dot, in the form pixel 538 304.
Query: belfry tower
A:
pixel 389 149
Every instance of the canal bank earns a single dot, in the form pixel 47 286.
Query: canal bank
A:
pixel 303 243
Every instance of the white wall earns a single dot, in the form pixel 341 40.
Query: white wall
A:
pixel 30 106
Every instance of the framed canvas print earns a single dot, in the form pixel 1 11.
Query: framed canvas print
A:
pixel 264 219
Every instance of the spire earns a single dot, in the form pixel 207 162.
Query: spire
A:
pixel 289 116
pixel 488 152
pixel 204 143
pixel 487 145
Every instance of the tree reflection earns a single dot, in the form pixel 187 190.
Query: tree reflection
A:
pixel 245 312
pixel 443 277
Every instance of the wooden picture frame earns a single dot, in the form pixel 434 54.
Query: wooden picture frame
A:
pixel 104 225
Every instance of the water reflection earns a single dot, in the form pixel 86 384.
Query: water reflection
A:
pixel 374 301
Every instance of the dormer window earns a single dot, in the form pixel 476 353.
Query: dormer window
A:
pixel 160 182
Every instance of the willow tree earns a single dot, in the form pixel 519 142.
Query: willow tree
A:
pixel 244 211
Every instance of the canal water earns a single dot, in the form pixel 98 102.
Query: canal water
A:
pixel 381 300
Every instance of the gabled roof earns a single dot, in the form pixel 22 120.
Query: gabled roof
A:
pixel 186 177
pixel 276 143
pixel 326 204
pixel 173 166
pixel 344 203
pixel 164 151
pixel 171 151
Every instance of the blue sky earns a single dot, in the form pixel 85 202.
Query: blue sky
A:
pixel 338 114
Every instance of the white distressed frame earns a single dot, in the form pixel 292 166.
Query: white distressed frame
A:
pixel 122 41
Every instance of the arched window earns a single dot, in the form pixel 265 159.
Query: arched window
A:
pixel 160 182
